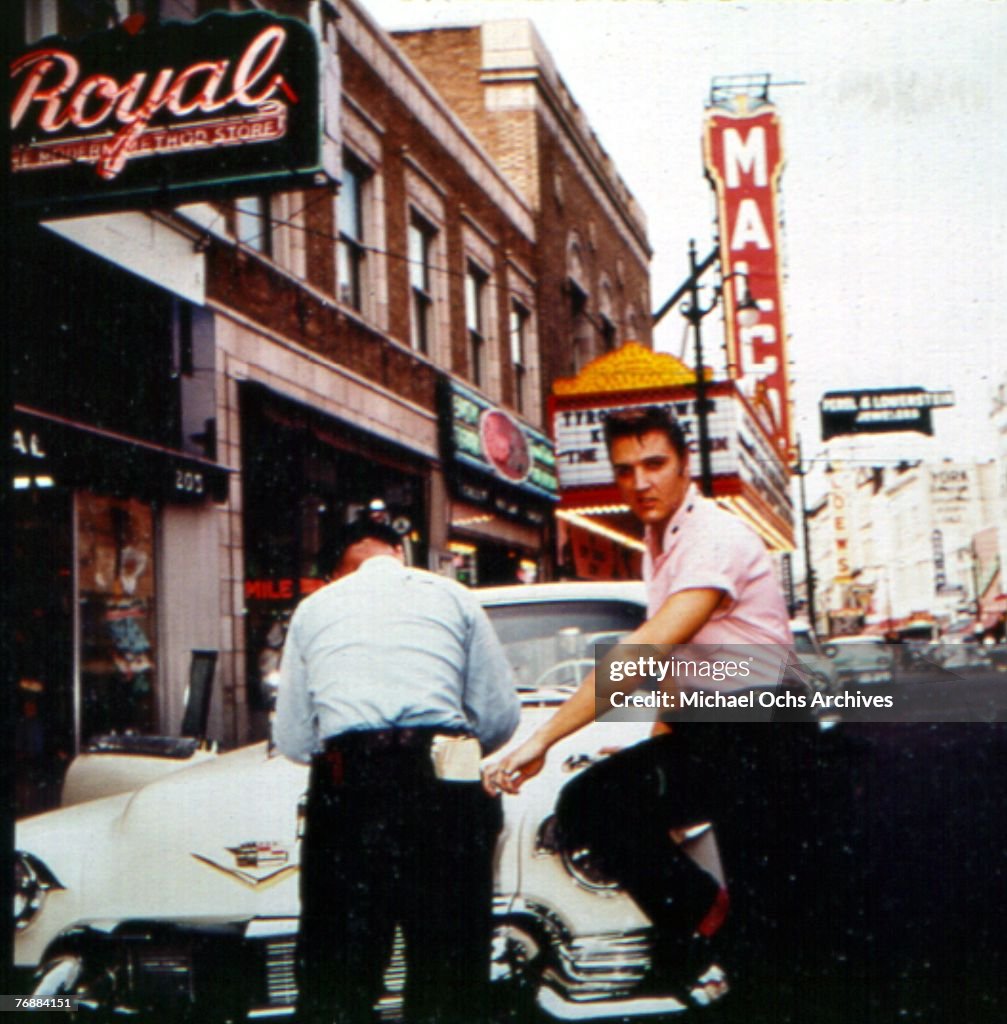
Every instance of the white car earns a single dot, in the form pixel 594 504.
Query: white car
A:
pixel 821 668
pixel 861 658
pixel 178 900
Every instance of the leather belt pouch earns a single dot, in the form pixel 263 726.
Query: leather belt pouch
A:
pixel 456 758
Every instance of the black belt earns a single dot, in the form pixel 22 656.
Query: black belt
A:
pixel 366 741
pixel 363 754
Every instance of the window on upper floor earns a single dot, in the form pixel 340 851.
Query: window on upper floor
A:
pixel 606 316
pixel 519 321
pixel 288 231
pixel 607 334
pixel 475 321
pixel 633 325
pixel 581 327
pixel 252 225
pixel 74 18
pixel 422 236
pixel 351 260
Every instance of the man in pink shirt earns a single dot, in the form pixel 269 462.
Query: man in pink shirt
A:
pixel 709 577
pixel 709 581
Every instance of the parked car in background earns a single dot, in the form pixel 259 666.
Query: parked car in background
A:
pixel 822 671
pixel 176 899
pixel 861 659
pixel 957 654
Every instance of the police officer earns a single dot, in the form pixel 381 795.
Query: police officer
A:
pixel 393 686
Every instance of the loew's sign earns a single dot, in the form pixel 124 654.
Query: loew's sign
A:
pixel 170 113
pixel 881 411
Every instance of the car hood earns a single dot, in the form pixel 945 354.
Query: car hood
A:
pixel 220 839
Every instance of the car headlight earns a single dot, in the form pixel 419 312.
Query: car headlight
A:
pixel 582 864
pixel 32 881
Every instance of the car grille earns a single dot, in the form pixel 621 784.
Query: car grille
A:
pixel 277 956
pixel 246 970
pixel 281 985
pixel 229 970
pixel 600 966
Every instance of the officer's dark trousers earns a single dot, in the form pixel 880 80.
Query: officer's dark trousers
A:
pixel 388 844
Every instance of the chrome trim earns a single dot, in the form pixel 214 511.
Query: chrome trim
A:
pixel 558 1008
pixel 32 887
pixel 597 967
pixel 59 976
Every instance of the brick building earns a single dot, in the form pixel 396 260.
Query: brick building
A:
pixel 592 254
pixel 264 366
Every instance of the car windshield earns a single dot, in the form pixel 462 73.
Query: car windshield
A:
pixel 550 644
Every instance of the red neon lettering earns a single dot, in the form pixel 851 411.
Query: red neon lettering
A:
pixel 51 81
pixel 205 99
pixel 41 62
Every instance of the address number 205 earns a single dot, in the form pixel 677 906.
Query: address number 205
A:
pixel 189 481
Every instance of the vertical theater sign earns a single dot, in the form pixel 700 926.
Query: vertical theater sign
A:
pixel 743 153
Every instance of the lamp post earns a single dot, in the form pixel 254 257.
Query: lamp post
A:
pixel 809 571
pixel 694 312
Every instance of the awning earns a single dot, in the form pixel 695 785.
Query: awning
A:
pixel 51 451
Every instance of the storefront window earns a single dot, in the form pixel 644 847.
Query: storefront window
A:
pixel 118 615
pixel 304 476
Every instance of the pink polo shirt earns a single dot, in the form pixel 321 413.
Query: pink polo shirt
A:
pixel 708 547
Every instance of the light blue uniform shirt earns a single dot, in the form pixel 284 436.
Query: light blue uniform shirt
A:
pixel 391 646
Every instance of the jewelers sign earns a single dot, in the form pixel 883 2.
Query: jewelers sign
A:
pixel 479 436
pixel 166 112
pixel 881 411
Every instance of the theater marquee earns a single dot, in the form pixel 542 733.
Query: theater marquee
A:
pixel 165 113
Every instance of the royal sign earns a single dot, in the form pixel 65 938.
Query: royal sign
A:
pixel 165 113
pixel 744 160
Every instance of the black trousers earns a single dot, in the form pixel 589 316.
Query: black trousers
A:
pixel 760 784
pixel 867 866
pixel 386 844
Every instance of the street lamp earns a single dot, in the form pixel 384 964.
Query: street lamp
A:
pixel 694 312
pixel 810 579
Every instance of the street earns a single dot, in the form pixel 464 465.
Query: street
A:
pixel 926 692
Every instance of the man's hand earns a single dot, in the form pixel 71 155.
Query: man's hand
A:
pixel 509 774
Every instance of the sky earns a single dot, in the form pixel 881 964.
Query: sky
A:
pixel 894 193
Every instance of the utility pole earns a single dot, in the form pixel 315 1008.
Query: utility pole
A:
pixel 809 572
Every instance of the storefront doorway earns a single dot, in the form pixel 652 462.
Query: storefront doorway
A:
pixel 304 475
pixel 45 737
pixel 85 630
pixel 118 621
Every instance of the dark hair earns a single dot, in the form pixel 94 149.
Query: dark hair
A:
pixel 642 419
pixel 331 554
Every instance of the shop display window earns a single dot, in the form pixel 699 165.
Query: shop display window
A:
pixel 118 619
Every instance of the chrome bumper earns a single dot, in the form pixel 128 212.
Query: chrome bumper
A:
pixel 590 977
pixel 244 970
